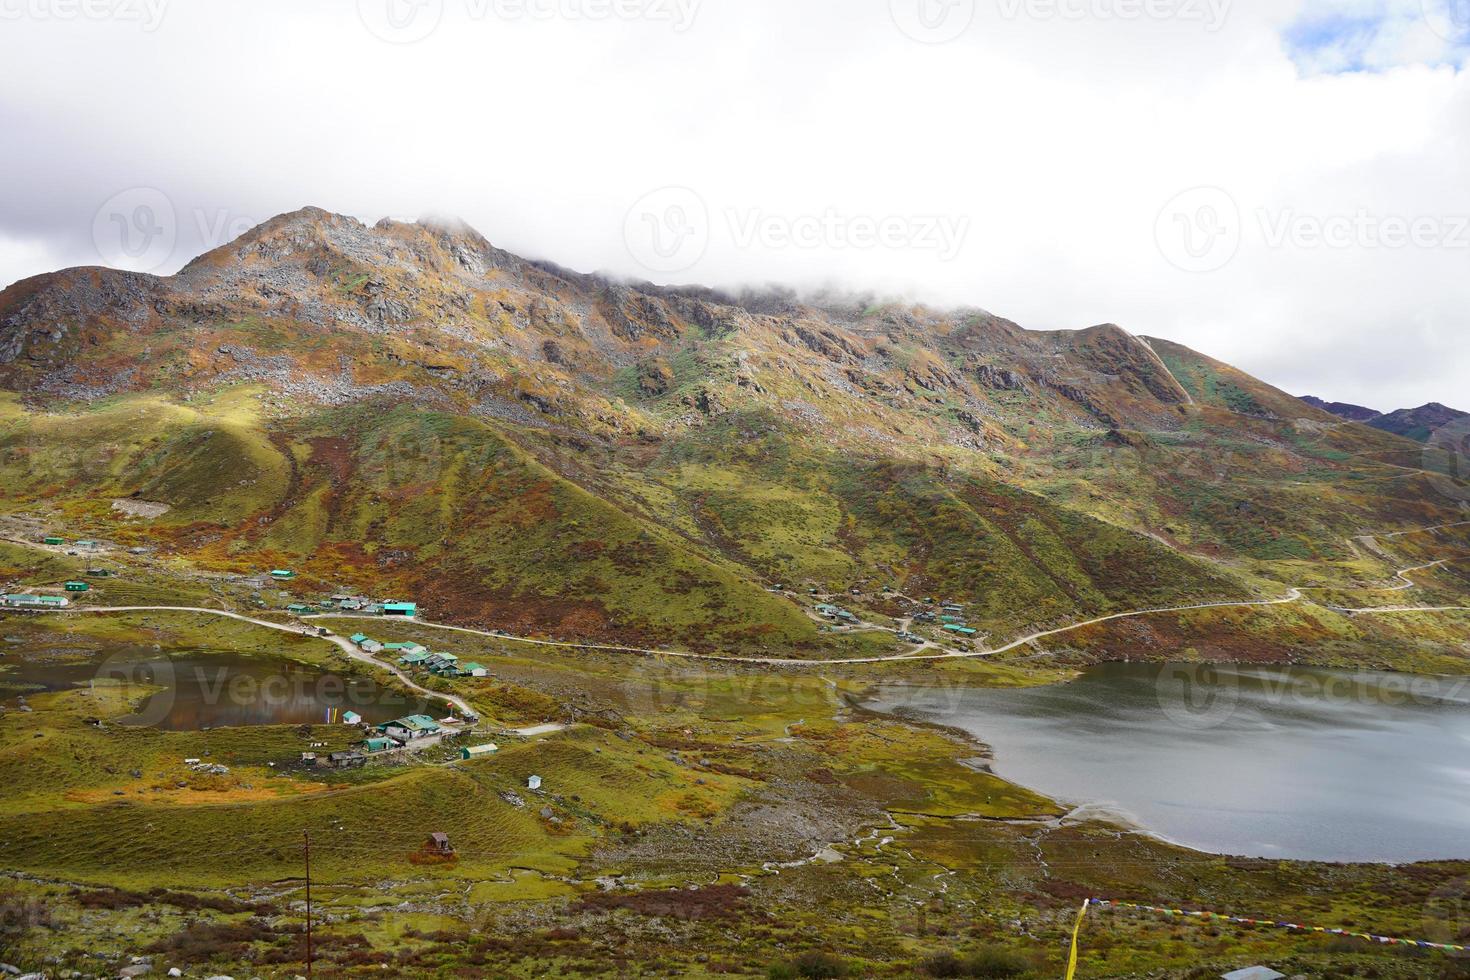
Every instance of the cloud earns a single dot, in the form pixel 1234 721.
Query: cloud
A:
pixel 824 143
pixel 20 258
pixel 1374 35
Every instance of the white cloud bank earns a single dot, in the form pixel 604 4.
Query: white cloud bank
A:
pixel 1279 183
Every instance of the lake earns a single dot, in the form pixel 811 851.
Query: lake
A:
pixel 209 690
pixel 1277 762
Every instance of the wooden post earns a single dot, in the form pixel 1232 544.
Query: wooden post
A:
pixel 306 836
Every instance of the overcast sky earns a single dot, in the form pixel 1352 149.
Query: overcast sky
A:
pixel 1278 183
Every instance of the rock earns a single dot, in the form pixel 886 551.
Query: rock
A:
pixel 134 971
pixel 7 968
pixel 174 971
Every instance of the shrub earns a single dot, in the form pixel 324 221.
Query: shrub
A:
pixel 995 964
pixel 817 965
pixel 944 965
pixel 987 964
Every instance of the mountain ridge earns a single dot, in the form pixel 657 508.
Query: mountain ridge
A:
pixel 407 403
pixel 1418 424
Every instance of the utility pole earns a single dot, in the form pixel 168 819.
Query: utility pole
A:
pixel 306 835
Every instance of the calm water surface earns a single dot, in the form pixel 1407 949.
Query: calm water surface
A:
pixel 1267 762
pixel 208 690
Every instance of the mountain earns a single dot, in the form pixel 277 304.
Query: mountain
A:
pixel 1412 423
pixel 1343 410
pixel 1418 423
pixel 407 408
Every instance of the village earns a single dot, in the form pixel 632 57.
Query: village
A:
pixel 398 738
pixel 412 735
pixel 280 589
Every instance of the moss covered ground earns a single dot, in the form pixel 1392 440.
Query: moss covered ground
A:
pixel 693 820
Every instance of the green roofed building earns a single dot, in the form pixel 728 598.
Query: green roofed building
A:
pixel 410 727
pixel 407 610
pixel 474 751
pixel 282 574
pixel 53 540
pixel 24 601
pixel 77 586
pixel 961 630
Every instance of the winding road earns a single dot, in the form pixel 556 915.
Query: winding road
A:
pixel 345 645
pixel 1292 596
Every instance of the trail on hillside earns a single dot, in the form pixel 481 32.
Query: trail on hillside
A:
pixel 345 645
pixel 1295 594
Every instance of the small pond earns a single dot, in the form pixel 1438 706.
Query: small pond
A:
pixel 207 689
